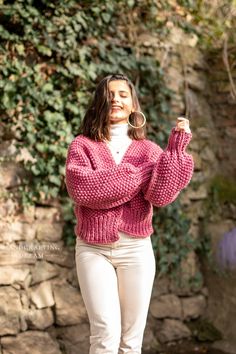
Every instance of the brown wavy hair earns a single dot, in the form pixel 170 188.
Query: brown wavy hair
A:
pixel 95 123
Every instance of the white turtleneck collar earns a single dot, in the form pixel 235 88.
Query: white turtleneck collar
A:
pixel 118 130
pixel 119 142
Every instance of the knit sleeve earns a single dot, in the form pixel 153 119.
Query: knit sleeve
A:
pixel 172 171
pixel 102 188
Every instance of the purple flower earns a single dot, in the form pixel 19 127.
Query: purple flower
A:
pixel 226 252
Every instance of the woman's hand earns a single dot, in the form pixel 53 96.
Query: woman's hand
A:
pixel 182 124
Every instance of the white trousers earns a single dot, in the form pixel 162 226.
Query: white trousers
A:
pixel 116 282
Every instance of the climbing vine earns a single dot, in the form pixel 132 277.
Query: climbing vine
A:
pixel 52 54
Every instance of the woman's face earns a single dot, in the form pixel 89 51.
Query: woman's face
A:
pixel 121 102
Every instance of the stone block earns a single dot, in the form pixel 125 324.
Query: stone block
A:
pixel 47 231
pixel 12 255
pixel 196 80
pixel 28 216
pixel 11 274
pixel 29 342
pixel 43 271
pixel 197 161
pixel 7 208
pixel 11 174
pixel 193 307
pixel 51 214
pixel 16 231
pixel 69 306
pixel 74 339
pixel 208 155
pixel 177 36
pixel 63 257
pixel 9 324
pixel 174 79
pixel 166 306
pixel 172 330
pixel 160 286
pixel 198 194
pixel 10 308
pixel 38 319
pixel 199 177
pixel 41 295
pixel 7 148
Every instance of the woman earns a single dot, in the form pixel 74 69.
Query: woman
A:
pixel 114 176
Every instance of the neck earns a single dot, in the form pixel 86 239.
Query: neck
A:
pixel 119 129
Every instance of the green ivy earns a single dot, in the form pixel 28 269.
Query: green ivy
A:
pixel 52 54
pixel 212 22
pixel 223 190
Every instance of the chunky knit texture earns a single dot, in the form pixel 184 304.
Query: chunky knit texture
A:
pixel 110 198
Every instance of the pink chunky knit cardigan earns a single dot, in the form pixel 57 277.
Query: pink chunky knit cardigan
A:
pixel 110 198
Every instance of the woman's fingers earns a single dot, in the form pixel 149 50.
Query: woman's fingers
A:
pixel 182 124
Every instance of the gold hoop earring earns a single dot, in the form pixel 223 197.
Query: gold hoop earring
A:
pixel 144 120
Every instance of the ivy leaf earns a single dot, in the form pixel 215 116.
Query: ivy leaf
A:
pixel 106 17
pixel 44 50
pixel 35 170
pixel 20 49
pixel 55 180
pixel 48 87
pixel 72 107
pixel 41 147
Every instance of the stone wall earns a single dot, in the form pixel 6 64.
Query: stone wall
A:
pixel 41 309
pixel 201 84
pixel 221 308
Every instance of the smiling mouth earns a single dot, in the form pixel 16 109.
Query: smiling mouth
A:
pixel 115 108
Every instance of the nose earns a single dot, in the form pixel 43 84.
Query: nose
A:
pixel 114 98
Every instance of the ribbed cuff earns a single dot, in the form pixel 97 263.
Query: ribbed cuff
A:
pixel 178 141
